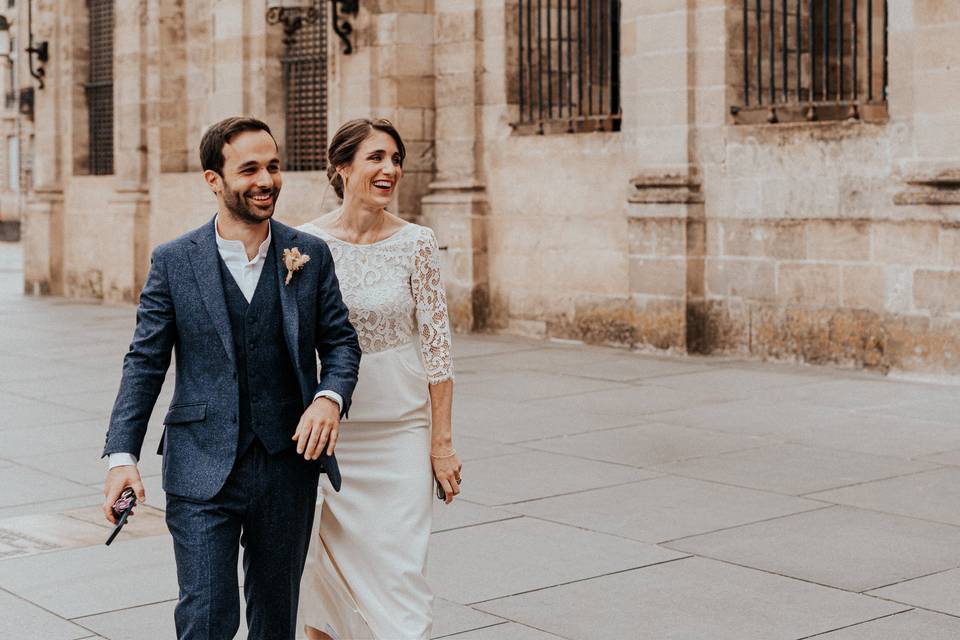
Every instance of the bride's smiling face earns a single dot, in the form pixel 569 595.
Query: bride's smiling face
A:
pixel 373 174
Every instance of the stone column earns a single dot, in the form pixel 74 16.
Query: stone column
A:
pixel 456 206
pixel 126 262
pixel 42 232
pixel 665 204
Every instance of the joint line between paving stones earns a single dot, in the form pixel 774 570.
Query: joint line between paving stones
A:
pixel 856 624
pixel 45 610
pixel 131 607
pixel 480 524
pixel 571 493
pixel 914 606
pixel 810 494
pixel 744 524
pixel 489 626
pixel 563 584
pixel 892 584
pixel 772 573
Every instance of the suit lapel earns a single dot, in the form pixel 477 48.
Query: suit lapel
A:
pixel 205 260
pixel 284 237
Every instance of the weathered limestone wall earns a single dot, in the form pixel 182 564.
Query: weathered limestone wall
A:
pixel 826 242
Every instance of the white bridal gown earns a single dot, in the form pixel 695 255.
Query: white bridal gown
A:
pixel 365 572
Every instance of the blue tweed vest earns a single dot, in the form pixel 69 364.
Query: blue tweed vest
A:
pixel 270 401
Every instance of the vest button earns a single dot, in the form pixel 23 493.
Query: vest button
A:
pixel 234 417
pixel 252 319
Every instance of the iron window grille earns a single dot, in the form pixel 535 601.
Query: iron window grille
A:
pixel 806 60
pixel 305 95
pixel 569 66
pixel 99 87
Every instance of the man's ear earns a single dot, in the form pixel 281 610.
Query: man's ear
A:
pixel 214 180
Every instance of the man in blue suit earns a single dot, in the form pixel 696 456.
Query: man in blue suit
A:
pixel 247 304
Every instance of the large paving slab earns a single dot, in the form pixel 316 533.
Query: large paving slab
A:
pixel 85 466
pixel 22 620
pixel 882 435
pixel 68 438
pixel 794 469
pixel 23 413
pixel 939 489
pixel 511 422
pixel 545 358
pixel 646 445
pixel 754 416
pixel 148 622
pixel 636 401
pixel 528 476
pixel 632 367
pixel 909 625
pixel 493 560
pixel 691 599
pixel 938 592
pixel 22 485
pixel 97 579
pixel 663 509
pixel 518 386
pixel 864 393
pixel 461 513
pixel 732 381
pixel 841 547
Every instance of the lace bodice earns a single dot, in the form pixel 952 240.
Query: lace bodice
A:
pixel 394 293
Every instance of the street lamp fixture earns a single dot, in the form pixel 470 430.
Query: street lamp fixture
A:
pixel 293 14
pixel 41 49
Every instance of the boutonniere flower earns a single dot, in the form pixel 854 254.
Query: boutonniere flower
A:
pixel 294 261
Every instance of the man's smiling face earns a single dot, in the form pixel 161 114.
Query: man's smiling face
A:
pixel 251 176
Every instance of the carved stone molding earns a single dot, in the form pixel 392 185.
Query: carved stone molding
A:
pixel 665 188
pixel 940 188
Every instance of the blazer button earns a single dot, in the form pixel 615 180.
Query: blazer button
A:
pixel 234 417
pixel 234 375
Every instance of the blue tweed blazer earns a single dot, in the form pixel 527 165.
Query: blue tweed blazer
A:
pixel 182 309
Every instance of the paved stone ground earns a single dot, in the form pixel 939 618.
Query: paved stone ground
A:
pixel 608 495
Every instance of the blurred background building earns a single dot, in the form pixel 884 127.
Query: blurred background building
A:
pixel 767 178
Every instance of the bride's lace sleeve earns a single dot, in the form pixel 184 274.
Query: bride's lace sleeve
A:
pixel 433 323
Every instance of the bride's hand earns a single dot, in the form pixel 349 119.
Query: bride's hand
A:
pixel 446 469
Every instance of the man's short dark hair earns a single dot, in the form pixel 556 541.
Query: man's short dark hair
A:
pixel 220 134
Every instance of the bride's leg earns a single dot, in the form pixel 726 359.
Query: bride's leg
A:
pixel 316 634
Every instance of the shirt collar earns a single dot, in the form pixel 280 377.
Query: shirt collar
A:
pixel 235 249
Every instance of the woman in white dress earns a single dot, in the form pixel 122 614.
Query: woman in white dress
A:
pixel 365 574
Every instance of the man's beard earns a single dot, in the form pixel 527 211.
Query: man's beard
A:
pixel 237 204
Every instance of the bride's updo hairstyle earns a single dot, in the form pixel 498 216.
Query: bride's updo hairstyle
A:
pixel 348 139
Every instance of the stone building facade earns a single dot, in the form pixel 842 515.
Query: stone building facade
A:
pixel 691 211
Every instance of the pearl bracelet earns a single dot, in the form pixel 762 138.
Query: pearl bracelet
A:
pixel 452 453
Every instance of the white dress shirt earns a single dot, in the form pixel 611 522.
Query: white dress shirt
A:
pixel 246 273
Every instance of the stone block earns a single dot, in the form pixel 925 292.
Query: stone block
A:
pixel 661 33
pixel 937 49
pixel 837 240
pixel 934 13
pixel 661 71
pixel 415 92
pixel 935 91
pixel 937 291
pixel 864 286
pixel 950 247
pixel 751 279
pixel 414 28
pixel 658 276
pixel 660 237
pixel 781 240
pixel 458 26
pixel 813 285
